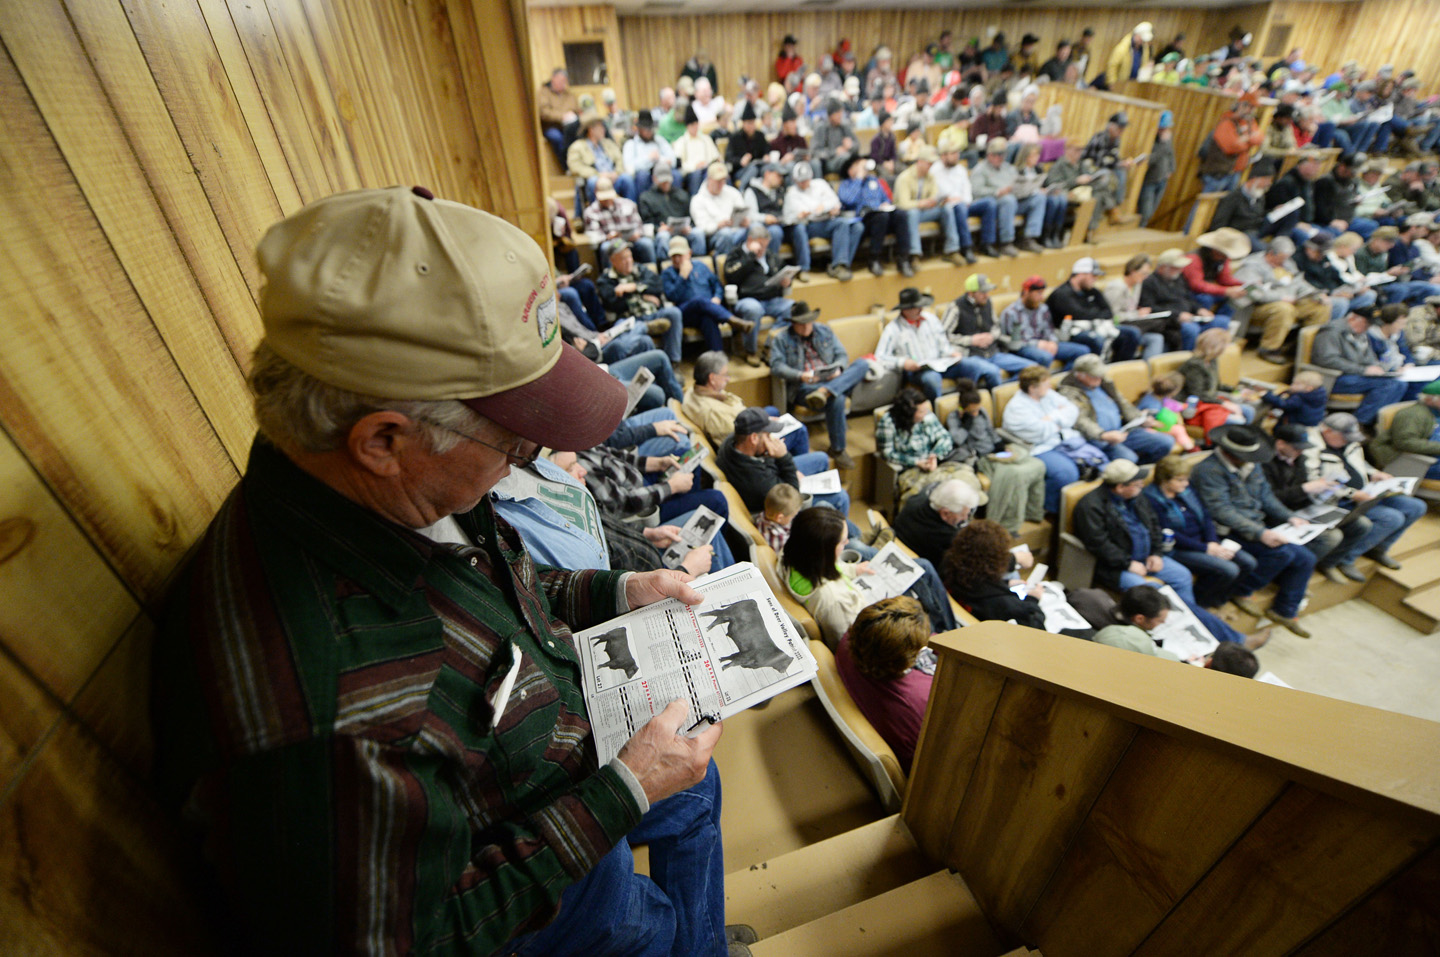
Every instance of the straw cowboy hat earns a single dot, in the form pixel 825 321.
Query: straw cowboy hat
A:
pixel 1232 242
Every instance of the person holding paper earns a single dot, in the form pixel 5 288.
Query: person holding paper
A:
pixel 1373 259
pixel 816 577
pixel 970 323
pixel 1346 347
pixel 976 572
pixel 1414 430
pixel 1216 567
pixel 632 290
pixel 754 459
pixel 1238 496
pixel 1157 334
pixel 1028 325
pixel 812 211
pixel 1104 413
pixel 1165 290
pixel 808 356
pixel 914 343
pixel 360 553
pixel 911 438
pixel 865 196
pixel 1243 207
pixel 1080 313
pixel 1342 460
pixel 1292 199
pixel 1280 296
pixel 763 286
pixel 1141 611
pixel 1207 270
pixel 1294 476
pixel 693 287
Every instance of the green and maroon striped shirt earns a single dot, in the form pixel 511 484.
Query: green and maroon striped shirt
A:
pixel 323 681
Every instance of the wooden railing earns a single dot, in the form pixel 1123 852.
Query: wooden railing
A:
pixel 1085 112
pixel 1102 802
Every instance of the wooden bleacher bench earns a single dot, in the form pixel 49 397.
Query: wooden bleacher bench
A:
pixel 1304 344
pixel 1205 205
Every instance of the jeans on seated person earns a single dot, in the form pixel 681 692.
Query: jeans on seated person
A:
pixel 1388 521
pixel 1190 331
pixel 686 502
pixel 724 239
pixel 988 212
pixel 624 185
pixel 935 214
pixel 932 596
pixel 670 341
pixel 756 309
pixel 843 233
pixel 994 368
pixel 838 387
pixel 932 383
pixel 877 223
pixel 1060 471
pixel 584 301
pixel 1219 184
pixel 660 445
pixel 1378 391
pixel 797 441
pixel 1288 566
pixel 1055 209
pixel 678 908
pixel 1005 209
pixel 1033 208
pixel 626 345
pixel 1412 291
pixel 706 316
pixel 1215 578
pixel 1065 352
pixel 813 463
pixel 665 384
pixel 1140 446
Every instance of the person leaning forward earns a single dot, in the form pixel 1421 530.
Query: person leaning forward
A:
pixel 366 693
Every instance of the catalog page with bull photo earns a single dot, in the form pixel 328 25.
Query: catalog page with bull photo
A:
pixel 732 651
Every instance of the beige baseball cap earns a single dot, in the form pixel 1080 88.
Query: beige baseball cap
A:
pixel 395 294
pixel 1173 257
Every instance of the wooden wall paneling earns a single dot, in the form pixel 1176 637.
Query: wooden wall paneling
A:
pixel 184 278
pixel 954 730
pixel 1310 857
pixel 30 713
pixel 257 75
pixel 495 67
pixel 114 705
pixel 127 101
pixel 1144 845
pixel 92 866
pixel 88 390
pixel 552 27
pixel 1044 760
pixel 1398 920
pixel 220 146
pixel 48 570
pixel 316 107
pixel 1085 113
pixel 1372 32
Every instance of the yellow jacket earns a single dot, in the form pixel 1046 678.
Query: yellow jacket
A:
pixel 580 159
pixel 1117 69
pixel 910 189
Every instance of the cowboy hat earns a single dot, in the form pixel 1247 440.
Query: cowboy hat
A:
pixel 1244 442
pixel 1228 240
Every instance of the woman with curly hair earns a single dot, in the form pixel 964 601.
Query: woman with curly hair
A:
pixel 881 664
pixel 975 573
pixel 911 438
pixel 814 575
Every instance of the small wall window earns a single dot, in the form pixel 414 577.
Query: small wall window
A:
pixel 585 62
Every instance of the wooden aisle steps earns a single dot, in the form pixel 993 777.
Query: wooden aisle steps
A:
pixel 1412 593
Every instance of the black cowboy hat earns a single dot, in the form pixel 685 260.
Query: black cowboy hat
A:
pixel 1244 442
pixel 912 298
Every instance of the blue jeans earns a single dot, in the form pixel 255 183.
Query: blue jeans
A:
pixel 665 384
pixel 1379 392
pixel 993 368
pixel 797 442
pixel 1066 352
pixel 584 301
pixel 722 240
pixel 630 344
pixel 679 908
pixel 624 184
pixel 1032 207
pixel 1005 209
pixel 838 387
pixel 933 597
pixel 1430 140
pixel 1150 193
pixel 1060 471
pixel 1140 446
pixel 686 502
pixel 1330 134
pixel 1190 331
pixel 556 138
pixel 660 445
pixel 1055 208
pixel 1288 566
pixel 813 463
pixel 1215 578
pixel 1412 291
pixel 1362 135
pixel 1388 522
pixel 1219 184
pixel 935 214
pixel 931 382
pixel 876 224
pixel 706 316
pixel 843 232
pixel 988 211
pixel 671 341
pixel 756 309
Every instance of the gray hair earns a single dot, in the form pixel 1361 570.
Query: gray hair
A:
pixel 758 230
pixel 1282 245
pixel 295 410
pixel 709 363
pixel 953 496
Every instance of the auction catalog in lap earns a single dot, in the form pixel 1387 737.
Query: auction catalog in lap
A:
pixel 730 652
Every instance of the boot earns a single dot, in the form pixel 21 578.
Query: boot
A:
pixel 969 253
pixel 990 249
pixel 907 267
pixel 1029 245
pixel 876 268
pixel 1009 250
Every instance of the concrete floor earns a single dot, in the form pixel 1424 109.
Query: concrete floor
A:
pixel 1360 654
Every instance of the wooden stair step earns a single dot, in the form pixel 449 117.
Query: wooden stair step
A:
pixel 1427 604
pixel 935 916
pixel 1414 576
pixel 1421 537
pixel 808 883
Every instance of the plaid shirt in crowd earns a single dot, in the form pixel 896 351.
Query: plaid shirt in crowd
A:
pixel 914 445
pixel 621 216
pixel 617 480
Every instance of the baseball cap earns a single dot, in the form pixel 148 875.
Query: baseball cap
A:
pixel 1386 232
pixel 1419 219
pixel 1090 364
pixel 1033 282
pixel 802 172
pixel 753 420
pixel 1119 119
pixel 678 245
pixel 1296 435
pixel 1123 471
pixel 395 294
pixel 978 282
pixel 996 145
pixel 1172 257
pixel 1431 388
pixel 1086 264
pixel 1344 423
pixel 663 174
pixel 605 191
pixel 717 170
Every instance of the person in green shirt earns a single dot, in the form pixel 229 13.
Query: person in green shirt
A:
pixel 1142 609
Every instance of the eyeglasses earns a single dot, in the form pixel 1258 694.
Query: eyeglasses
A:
pixel 517 457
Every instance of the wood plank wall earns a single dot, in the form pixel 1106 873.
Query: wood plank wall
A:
pixel 1099 802
pixel 146 148
pixel 1373 32
pixel 1085 113
pixel 552 27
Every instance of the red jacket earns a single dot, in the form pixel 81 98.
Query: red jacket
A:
pixel 1194 274
pixel 1236 137
pixel 786 65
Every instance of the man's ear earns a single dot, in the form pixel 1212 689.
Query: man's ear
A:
pixel 378 440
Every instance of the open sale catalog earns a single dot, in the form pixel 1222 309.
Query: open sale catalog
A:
pixel 732 651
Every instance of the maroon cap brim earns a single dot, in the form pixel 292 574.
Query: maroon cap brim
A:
pixel 574 406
